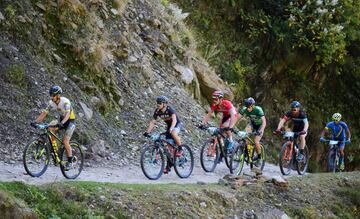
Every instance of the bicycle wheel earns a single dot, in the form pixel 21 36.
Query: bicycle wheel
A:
pixel 152 162
pixel 36 158
pixel 285 159
pixel 77 164
pixel 237 159
pixel 301 166
pixel 332 161
pixel 209 155
pixel 184 165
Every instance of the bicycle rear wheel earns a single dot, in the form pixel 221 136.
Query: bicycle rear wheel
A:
pixel 237 159
pixel 36 158
pixel 184 164
pixel 152 162
pixel 301 166
pixel 285 159
pixel 77 164
pixel 209 155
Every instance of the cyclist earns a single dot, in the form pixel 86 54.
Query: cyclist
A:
pixel 67 119
pixel 257 123
pixel 338 129
pixel 229 116
pixel 174 125
pixel 301 125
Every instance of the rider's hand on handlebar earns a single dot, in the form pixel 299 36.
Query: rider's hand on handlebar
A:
pixel 348 141
pixel 33 124
pixel 276 132
pixel 228 129
pixel 203 126
pixel 146 134
pixel 322 139
pixel 302 133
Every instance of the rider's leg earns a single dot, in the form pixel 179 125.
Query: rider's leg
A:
pixel 257 139
pixel 66 140
pixel 302 142
pixel 342 154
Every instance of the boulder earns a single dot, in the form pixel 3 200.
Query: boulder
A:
pixel 186 74
pixel 87 111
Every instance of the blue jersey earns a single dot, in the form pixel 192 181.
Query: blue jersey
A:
pixel 338 130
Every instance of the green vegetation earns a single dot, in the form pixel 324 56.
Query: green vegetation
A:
pixel 311 196
pixel 15 74
pixel 278 51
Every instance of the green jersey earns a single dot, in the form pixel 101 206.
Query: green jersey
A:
pixel 254 116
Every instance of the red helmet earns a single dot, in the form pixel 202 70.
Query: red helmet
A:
pixel 218 94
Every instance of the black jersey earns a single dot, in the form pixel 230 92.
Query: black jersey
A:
pixel 299 121
pixel 166 116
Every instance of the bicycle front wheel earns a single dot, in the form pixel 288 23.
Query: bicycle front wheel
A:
pixel 184 164
pixel 332 161
pixel 36 158
pixel 237 159
pixel 301 166
pixel 209 155
pixel 77 163
pixel 152 162
pixel 285 158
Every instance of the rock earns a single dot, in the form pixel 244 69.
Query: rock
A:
pixel 123 132
pixel 75 78
pixel 88 112
pixel 1 17
pixel 102 198
pixel 41 6
pixel 159 52
pixel 95 100
pixel 132 59
pixel 203 204
pixel 114 11
pixel 279 181
pixel 201 183
pixel 187 76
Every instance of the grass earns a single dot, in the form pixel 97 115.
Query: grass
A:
pixel 15 74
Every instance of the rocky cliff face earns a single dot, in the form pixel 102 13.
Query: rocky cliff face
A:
pixel 111 57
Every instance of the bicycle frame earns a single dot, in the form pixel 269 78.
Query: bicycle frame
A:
pixel 55 149
pixel 164 145
pixel 292 140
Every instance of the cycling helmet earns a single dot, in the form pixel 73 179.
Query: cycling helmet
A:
pixel 161 99
pixel 249 102
pixel 218 94
pixel 295 104
pixel 54 90
pixel 336 117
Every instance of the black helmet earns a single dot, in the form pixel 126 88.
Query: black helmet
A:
pixel 54 90
pixel 249 102
pixel 161 99
pixel 295 104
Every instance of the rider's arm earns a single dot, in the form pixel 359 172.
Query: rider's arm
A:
pixel 263 125
pixel 281 123
pixel 348 134
pixel 232 117
pixel 207 117
pixel 306 125
pixel 151 125
pixel 173 123
pixel 66 118
pixel 42 116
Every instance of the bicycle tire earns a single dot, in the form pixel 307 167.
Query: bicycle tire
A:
pixel 144 162
pixel 300 168
pixel 238 152
pixel 39 145
pixel 332 164
pixel 208 156
pixel 179 161
pixel 285 149
pixel 78 164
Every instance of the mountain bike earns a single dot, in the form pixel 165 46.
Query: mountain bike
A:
pixel 37 153
pixel 245 152
pixel 289 152
pixel 214 149
pixel 152 157
pixel 334 155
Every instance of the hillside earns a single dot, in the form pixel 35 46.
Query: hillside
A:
pixel 112 58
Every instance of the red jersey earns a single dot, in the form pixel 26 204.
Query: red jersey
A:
pixel 224 107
